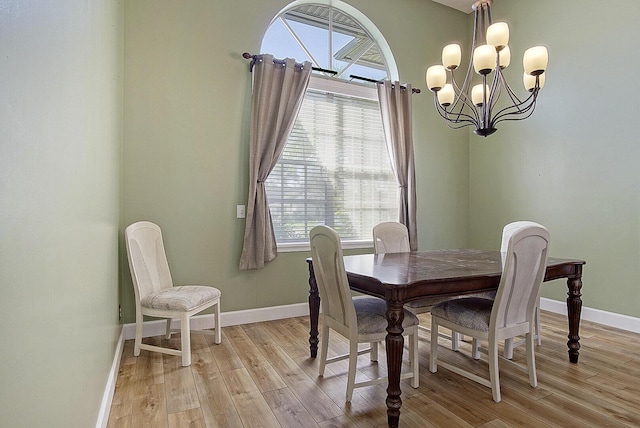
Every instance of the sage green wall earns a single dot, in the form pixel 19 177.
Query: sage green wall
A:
pixel 574 165
pixel 60 161
pixel 187 97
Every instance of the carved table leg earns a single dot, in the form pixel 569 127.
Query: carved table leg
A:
pixel 395 345
pixel 314 311
pixel 574 308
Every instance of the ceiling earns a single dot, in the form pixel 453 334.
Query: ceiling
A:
pixel 461 5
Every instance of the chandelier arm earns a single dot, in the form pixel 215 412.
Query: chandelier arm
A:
pixel 520 109
pixel 495 89
pixel 467 78
pixel 508 116
pixel 514 98
pixel 495 92
pixel 524 109
pixel 461 97
pixel 524 113
pixel 480 18
pixel 517 103
pixel 459 124
pixel 464 100
pixel 485 109
pixel 474 44
pixel 460 117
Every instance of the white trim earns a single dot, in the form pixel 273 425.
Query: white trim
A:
pixel 343 87
pixel 107 397
pixel 301 246
pixel 610 319
pixel 198 322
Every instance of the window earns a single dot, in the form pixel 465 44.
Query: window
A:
pixel 335 168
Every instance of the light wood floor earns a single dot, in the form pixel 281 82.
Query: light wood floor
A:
pixel 261 376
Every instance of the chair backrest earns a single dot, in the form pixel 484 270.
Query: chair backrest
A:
pixel 508 230
pixel 333 285
pixel 390 237
pixel 147 259
pixel 522 275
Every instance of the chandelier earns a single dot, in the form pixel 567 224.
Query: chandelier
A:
pixel 477 105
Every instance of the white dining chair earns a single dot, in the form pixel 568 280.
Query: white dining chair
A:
pixel 361 320
pixel 156 295
pixel 510 314
pixel 390 237
pixel 507 231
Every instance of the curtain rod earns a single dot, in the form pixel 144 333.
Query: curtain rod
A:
pixel 255 58
pixel 366 79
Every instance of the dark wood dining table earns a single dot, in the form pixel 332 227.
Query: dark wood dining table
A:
pixel 399 278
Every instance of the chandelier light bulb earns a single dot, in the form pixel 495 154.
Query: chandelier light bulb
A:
pixel 535 60
pixel 446 95
pixel 484 59
pixel 451 56
pixel 478 94
pixel 436 77
pixel 505 57
pixel 530 81
pixel 498 35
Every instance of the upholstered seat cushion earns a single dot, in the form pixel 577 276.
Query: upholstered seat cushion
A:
pixel 372 316
pixel 469 312
pixel 180 298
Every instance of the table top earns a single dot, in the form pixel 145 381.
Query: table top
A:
pixel 429 268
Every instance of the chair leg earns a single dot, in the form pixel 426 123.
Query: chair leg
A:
pixel 475 348
pixel 415 360
pixel 494 376
pixel 185 340
pixel 138 339
pixel 433 358
pixel 373 355
pixel 216 314
pixel 531 360
pixel 167 333
pixel 353 361
pixel 508 348
pixel 538 330
pixel 455 340
pixel 324 346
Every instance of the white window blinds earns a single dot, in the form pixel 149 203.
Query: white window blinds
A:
pixel 335 170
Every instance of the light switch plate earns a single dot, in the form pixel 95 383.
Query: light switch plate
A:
pixel 240 211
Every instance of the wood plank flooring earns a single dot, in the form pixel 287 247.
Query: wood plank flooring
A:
pixel 261 375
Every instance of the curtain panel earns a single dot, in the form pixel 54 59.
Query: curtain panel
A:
pixel 396 111
pixel 277 93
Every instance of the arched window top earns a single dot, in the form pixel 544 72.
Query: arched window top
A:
pixel 331 35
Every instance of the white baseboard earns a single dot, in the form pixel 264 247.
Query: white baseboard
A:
pixel 107 397
pixel 156 328
pixel 624 322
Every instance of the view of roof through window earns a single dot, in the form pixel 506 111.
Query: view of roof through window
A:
pixel 329 39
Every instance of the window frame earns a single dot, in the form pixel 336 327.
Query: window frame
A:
pixel 342 86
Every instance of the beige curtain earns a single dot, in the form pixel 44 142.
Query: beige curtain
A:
pixel 395 106
pixel 278 91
